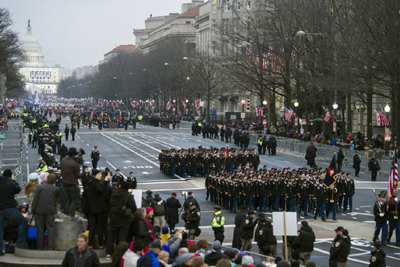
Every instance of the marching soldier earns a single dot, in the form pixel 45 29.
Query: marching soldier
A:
pixel 217 224
pixel 393 216
pixel 381 217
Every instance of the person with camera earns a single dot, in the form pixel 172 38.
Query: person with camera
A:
pixel 122 208
pixel 98 208
pixel 8 207
pixel 192 220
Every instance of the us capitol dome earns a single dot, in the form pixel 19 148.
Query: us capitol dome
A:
pixel 38 77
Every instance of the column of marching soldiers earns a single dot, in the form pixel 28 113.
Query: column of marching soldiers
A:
pixel 234 179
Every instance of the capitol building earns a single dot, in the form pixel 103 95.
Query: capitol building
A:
pixel 37 76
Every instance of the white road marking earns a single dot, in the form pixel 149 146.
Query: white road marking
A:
pixel 134 152
pixel 158 140
pixel 179 189
pixel 112 166
pixel 349 258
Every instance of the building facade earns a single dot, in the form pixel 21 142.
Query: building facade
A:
pixel 37 76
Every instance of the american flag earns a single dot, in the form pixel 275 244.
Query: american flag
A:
pixel 288 114
pixel 197 104
pixel 328 115
pixel 260 111
pixel 381 119
pixel 169 105
pixel 393 176
pixel 240 103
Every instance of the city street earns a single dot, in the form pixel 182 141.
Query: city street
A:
pixel 137 151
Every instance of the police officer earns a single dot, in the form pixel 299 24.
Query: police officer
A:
pixel 247 231
pixel 340 248
pixel 260 141
pixel 378 256
pixel 381 217
pixel 191 217
pixel 217 224
pixel 374 167
pixel 264 236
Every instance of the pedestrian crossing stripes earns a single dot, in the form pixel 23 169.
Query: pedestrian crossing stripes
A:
pixel 138 167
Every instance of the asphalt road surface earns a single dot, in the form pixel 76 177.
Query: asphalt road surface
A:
pixel 137 151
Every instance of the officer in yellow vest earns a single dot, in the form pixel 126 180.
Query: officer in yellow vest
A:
pixel 42 166
pixel 260 141
pixel 140 118
pixel 217 224
pixel 30 134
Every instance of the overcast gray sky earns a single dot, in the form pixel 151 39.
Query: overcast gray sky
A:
pixel 76 33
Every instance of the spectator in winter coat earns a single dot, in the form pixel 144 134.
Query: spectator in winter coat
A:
pixel 140 229
pixel 81 255
pixel 148 217
pixel 159 212
pixel 98 207
pixel 304 243
pixel 151 258
pixel 122 207
pixel 44 209
pixel 216 254
pixel 173 205
pixel 8 207
pixel 131 256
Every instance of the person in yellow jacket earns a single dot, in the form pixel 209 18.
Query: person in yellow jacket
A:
pixel 42 166
pixel 217 224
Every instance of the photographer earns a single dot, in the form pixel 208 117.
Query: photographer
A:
pixel 190 199
pixel 192 220
pixel 8 207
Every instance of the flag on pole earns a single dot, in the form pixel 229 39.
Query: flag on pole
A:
pixel 328 115
pixel 288 114
pixel 260 111
pixel 381 119
pixel 197 104
pixel 330 177
pixel 169 105
pixel 393 176
pixel 226 152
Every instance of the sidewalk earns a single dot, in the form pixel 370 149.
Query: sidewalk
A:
pixel 11 148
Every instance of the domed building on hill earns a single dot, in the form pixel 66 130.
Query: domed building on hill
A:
pixel 37 76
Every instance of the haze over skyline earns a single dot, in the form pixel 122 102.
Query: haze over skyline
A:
pixel 78 33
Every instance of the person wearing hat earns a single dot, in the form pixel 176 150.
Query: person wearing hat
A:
pixel 190 199
pixel 374 167
pixel 304 243
pixel 216 254
pixel 217 224
pixel 151 257
pixel 340 248
pixel 42 166
pixel 378 256
pixel 173 205
pixel 264 236
pixel 95 157
pixel 192 220
pixel 393 215
pixel 381 218
pixel 247 231
pixel 148 200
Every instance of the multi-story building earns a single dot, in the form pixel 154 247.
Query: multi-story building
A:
pixel 119 50
pixel 37 76
pixel 173 26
